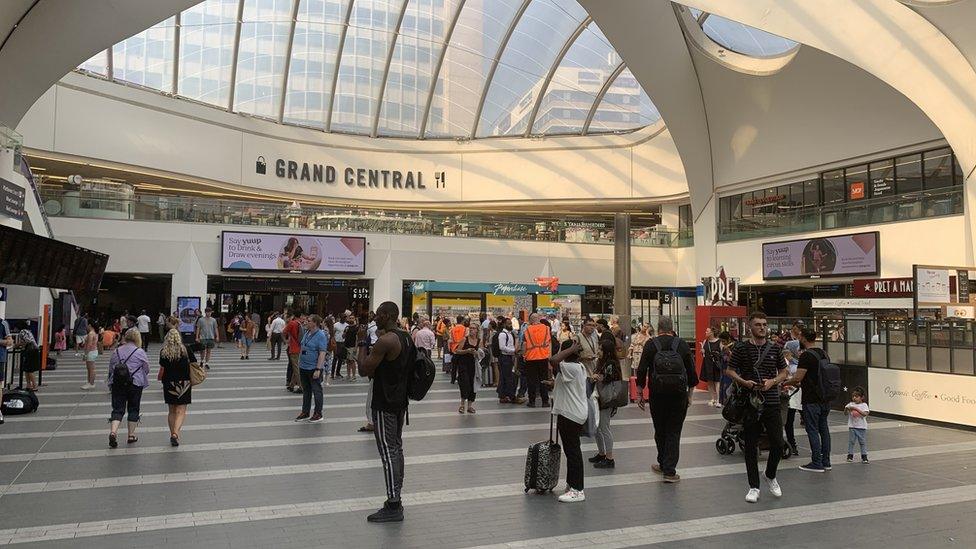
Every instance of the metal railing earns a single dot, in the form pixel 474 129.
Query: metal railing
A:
pixel 79 203
pixel 903 207
pixel 941 346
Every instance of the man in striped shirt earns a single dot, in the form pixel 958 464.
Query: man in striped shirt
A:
pixel 757 364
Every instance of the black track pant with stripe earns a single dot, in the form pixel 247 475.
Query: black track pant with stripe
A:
pixel 388 431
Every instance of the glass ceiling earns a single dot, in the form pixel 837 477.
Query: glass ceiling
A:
pixel 741 38
pixel 394 68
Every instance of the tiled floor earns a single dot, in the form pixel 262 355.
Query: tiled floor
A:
pixel 247 476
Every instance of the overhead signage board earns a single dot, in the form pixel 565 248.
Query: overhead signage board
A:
pixel 721 289
pixel 508 288
pixel 11 200
pixel 318 170
pixel 822 257
pixel 292 253
pixel 883 287
pixel 932 285
pixel 861 303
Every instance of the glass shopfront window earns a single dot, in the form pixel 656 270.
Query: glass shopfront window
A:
pixel 913 186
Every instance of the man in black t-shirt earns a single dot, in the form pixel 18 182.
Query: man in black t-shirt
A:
pixel 387 364
pixel 757 364
pixel 815 410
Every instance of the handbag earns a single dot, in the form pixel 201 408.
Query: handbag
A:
pixel 741 401
pixel 197 374
pixel 592 413
pixel 613 394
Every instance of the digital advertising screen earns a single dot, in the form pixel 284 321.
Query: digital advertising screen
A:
pixel 282 252
pixel 824 257
pixel 186 310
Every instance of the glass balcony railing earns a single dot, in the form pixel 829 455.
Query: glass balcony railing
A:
pixel 100 205
pixel 903 207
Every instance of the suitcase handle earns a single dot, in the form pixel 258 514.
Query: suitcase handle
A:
pixel 552 421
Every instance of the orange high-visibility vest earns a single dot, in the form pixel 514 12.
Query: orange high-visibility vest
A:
pixel 458 333
pixel 440 328
pixel 537 342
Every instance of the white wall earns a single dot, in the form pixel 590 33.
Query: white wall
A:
pixel 818 110
pixel 926 242
pixel 96 119
pixel 192 251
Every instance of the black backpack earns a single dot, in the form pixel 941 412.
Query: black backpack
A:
pixel 831 385
pixel 496 350
pixel 121 376
pixel 668 374
pixel 420 371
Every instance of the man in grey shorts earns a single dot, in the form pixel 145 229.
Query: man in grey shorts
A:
pixel 207 334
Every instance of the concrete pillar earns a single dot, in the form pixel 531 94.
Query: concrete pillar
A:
pixel 669 216
pixel 621 277
pixel 706 238
pixel 190 279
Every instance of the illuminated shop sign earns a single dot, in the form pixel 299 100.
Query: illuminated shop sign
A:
pixel 765 200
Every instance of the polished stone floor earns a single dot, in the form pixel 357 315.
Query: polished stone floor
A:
pixel 248 476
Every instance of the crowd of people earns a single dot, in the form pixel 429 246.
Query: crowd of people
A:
pixel 541 362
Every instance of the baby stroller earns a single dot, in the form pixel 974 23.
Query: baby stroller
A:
pixel 732 436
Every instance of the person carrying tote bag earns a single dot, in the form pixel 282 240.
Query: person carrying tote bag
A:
pixel 610 391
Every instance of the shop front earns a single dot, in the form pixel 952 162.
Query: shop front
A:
pixel 452 299
pixel 322 296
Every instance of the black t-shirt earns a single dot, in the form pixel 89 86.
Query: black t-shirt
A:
pixel 745 355
pixel 390 379
pixel 810 361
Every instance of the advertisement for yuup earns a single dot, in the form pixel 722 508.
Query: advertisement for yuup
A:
pixel 292 253
pixel 846 255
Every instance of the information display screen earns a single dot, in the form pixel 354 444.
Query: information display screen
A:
pixel 188 312
pixel 282 252
pixel 833 256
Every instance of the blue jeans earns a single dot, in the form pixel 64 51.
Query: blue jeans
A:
pixel 860 435
pixel 815 417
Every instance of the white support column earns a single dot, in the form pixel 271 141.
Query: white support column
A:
pixel 189 279
pixel 706 239
pixel 669 216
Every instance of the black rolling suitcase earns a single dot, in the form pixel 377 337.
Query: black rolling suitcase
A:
pixel 542 463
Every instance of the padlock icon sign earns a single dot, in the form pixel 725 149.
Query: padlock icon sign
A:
pixel 261 166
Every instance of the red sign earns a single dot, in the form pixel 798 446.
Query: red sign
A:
pixel 857 190
pixel 765 200
pixel 883 287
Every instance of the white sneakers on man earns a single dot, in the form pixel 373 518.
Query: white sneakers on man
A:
pixel 88 386
pixel 773 486
pixel 753 495
pixel 572 496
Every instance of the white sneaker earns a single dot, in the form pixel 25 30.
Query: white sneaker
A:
pixel 773 485
pixel 572 496
pixel 753 495
pixel 88 386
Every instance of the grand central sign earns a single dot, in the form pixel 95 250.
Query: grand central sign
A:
pixel 351 176
pixel 278 166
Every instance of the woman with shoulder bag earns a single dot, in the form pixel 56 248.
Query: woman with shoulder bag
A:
pixel 607 371
pixel 711 366
pixel 174 372
pixel 128 375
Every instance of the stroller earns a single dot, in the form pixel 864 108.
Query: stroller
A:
pixel 732 435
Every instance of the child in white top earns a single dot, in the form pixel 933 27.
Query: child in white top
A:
pixel 857 424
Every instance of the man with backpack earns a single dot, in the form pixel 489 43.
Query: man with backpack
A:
pixel 388 364
pixel 666 363
pixel 757 365
pixel 820 384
